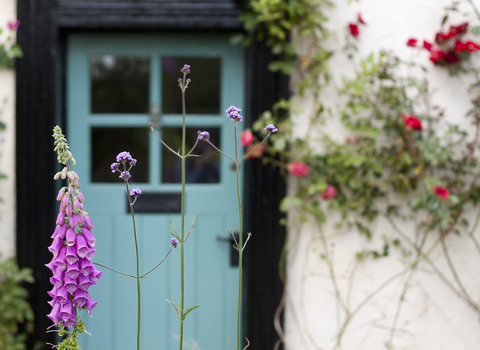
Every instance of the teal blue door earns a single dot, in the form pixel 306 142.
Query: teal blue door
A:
pixel 116 85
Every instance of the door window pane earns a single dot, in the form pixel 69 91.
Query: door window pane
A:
pixel 108 142
pixel 204 169
pixel 119 84
pixel 202 94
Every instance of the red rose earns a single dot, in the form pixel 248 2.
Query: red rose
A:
pixel 450 57
pixel 412 42
pixel 442 37
pixel 298 169
pixel 441 192
pixel 360 19
pixel 412 122
pixel 328 193
pixel 436 56
pixel 427 46
pixel 458 30
pixel 471 46
pixel 354 30
pixel 246 138
pixel 459 46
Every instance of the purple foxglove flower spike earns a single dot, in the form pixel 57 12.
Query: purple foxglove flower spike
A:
pixel 76 203
pixel 53 292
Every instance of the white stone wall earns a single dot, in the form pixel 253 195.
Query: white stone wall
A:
pixel 7 145
pixel 432 316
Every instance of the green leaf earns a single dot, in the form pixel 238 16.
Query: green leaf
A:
pixel 475 30
pixel 188 309
pixel 176 307
pixel 354 183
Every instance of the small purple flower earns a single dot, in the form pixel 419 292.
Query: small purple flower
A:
pixel 185 69
pixel 133 162
pixel 136 192
pixel 271 128
pixel 124 157
pixel 204 135
pixel 174 242
pixel 125 175
pixel 114 167
pixel 234 113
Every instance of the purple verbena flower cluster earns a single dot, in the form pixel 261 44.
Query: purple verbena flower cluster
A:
pixel 271 128
pixel 136 192
pixel 185 69
pixel 234 113
pixel 204 135
pixel 124 158
pixel 73 250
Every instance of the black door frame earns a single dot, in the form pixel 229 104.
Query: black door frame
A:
pixel 44 27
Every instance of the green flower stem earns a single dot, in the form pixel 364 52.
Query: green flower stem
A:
pixel 240 240
pixel 253 150
pixel 138 266
pixel 182 233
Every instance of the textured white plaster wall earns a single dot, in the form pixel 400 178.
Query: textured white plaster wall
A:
pixel 7 145
pixel 432 316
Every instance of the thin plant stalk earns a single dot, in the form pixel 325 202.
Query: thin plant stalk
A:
pixel 240 240
pixel 182 229
pixel 138 266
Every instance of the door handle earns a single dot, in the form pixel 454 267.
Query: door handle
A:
pixel 233 251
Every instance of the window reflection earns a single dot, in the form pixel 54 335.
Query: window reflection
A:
pixel 108 142
pixel 204 90
pixel 119 84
